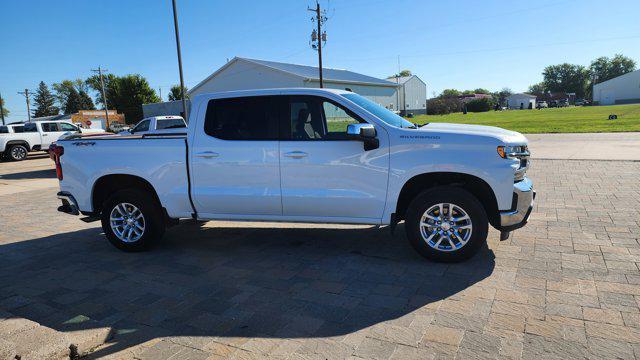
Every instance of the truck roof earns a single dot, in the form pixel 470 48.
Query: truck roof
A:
pixel 279 91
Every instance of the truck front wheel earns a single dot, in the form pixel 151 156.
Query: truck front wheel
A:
pixel 446 224
pixel 132 220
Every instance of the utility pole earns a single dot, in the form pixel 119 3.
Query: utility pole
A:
pixel 100 70
pixel 182 92
pixel 26 96
pixel 2 110
pixel 318 37
pixel 160 90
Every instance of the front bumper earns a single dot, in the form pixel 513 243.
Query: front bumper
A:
pixel 69 203
pixel 517 216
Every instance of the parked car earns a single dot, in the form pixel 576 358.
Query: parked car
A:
pixel 12 128
pixel 157 125
pixel 271 155
pixel 553 103
pixel 117 127
pixel 563 103
pixel 541 105
pixel 35 136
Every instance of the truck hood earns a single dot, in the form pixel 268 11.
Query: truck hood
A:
pixel 506 136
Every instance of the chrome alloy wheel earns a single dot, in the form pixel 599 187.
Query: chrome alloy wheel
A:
pixel 446 227
pixel 18 152
pixel 127 222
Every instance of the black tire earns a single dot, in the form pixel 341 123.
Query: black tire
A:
pixel 154 225
pixel 451 195
pixel 17 152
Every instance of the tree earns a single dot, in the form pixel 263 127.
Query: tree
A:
pixel 449 93
pixel 537 89
pixel 62 91
pixel 111 89
pixel 402 73
pixel 126 94
pixel 4 109
pixel 44 102
pixel 480 105
pixel 565 77
pixel 174 93
pixel 72 104
pixel 502 95
pixel 481 91
pixel 604 68
pixel 86 103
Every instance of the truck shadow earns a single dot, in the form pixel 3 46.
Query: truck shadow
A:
pixel 225 283
pixel 26 175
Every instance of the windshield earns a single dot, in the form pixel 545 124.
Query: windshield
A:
pixel 380 112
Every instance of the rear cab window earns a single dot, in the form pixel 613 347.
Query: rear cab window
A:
pixel 244 118
pixel 170 124
pixel 4 130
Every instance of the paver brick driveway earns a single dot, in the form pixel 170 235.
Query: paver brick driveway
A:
pixel 566 286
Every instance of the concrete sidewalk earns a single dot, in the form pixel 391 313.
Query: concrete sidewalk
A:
pixel 590 146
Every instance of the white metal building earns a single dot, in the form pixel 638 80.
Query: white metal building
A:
pixel 521 101
pixel 242 74
pixel 412 94
pixel 624 89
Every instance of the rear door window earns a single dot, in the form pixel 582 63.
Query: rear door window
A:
pixel 30 127
pixel 246 118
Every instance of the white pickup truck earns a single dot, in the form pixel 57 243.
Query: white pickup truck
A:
pixel 302 155
pixel 156 125
pixel 22 138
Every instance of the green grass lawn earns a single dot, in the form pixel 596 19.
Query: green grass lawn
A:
pixel 557 120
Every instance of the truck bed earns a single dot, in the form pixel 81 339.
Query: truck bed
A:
pixel 160 160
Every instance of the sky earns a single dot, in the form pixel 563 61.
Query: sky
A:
pixel 449 44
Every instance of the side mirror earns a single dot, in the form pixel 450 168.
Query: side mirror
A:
pixel 365 133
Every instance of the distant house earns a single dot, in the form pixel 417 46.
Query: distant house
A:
pixel 412 94
pixel 243 74
pixel 624 89
pixel 521 101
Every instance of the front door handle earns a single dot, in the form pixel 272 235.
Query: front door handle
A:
pixel 296 154
pixel 207 154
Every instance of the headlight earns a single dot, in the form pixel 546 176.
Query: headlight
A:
pixel 513 152
pixel 520 153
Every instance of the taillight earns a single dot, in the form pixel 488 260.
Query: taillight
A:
pixel 56 151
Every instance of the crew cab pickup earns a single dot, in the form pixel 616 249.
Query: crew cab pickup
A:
pixel 302 155
pixel 22 138
pixel 157 125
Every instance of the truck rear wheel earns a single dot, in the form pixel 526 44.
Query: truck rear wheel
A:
pixel 17 152
pixel 446 224
pixel 132 220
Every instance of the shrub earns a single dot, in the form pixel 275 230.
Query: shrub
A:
pixel 443 106
pixel 480 105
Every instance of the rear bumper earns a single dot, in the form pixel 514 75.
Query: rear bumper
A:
pixel 518 215
pixel 69 203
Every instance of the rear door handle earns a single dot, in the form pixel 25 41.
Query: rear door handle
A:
pixel 296 154
pixel 207 154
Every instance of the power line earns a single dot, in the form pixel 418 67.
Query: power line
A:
pixel 317 36
pixel 100 70
pixel 26 95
